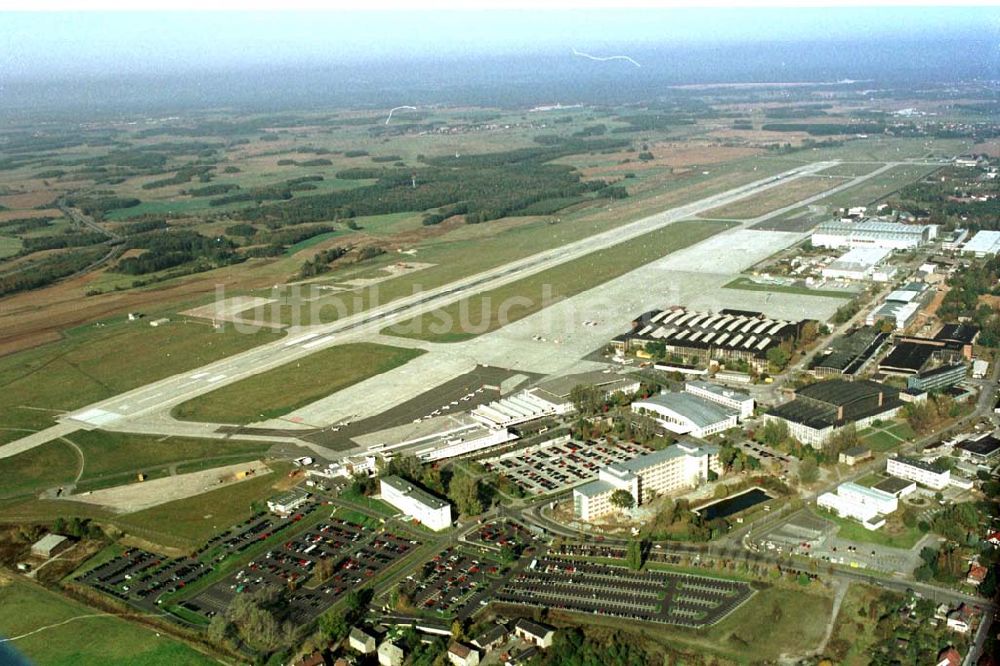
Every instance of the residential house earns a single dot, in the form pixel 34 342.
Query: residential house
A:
pixel 534 633
pixel 462 655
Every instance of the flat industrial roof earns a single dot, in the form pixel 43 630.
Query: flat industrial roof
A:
pixel 720 391
pixel 893 485
pixel 983 446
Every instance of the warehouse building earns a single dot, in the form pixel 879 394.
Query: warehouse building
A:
pixel 822 409
pixel 983 244
pixel 679 467
pixel 687 414
pixel 869 232
pixel 730 335
pixel 850 354
pixel 522 407
pixel 900 307
pixel 861 263
pixel 937 379
pixel 558 389
pixel 924 473
pixel 982 450
pixel 866 505
pixel 741 402
pixel 50 545
pixel 416 502
pixel 911 354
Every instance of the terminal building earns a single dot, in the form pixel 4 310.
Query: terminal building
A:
pixel 701 410
pixel 869 232
pixel 678 467
pixel 861 263
pixel 822 409
pixel 416 502
pixel 726 336
pixel 869 506
pixel 924 473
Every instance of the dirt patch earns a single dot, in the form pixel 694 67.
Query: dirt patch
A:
pixel 32 199
pixel 6 215
pixel 146 494
pixel 755 137
pixel 991 148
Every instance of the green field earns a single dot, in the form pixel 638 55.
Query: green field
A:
pixel 9 246
pixel 851 169
pixel 551 285
pixel 95 363
pixel 749 285
pixel 878 187
pixel 86 641
pixel 302 382
pixel 892 535
pixel 877 440
pixel 774 198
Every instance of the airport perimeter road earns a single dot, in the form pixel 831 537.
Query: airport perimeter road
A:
pixel 158 397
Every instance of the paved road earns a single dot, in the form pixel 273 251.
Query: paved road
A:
pixel 157 398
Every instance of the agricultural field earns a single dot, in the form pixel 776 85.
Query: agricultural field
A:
pixel 54 626
pixel 551 285
pixel 316 376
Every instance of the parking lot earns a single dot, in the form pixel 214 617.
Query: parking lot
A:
pixel 358 554
pixel 141 578
pixel 554 467
pixel 498 534
pixel 646 596
pixel 454 583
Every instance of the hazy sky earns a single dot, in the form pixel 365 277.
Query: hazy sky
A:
pixel 55 45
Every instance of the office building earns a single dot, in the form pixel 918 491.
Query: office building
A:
pixel 937 378
pixel 416 502
pixel 678 467
pixel 924 473
pixel 866 505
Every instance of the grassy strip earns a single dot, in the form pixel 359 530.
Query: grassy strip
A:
pixel 749 285
pixel 852 530
pixel 301 383
pixel 519 299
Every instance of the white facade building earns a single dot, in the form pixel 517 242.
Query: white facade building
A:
pixel 429 510
pixel 861 263
pixel 741 402
pixel 866 505
pixel 917 470
pixel 687 414
pixel 681 466
pixel 983 244
pixel 872 233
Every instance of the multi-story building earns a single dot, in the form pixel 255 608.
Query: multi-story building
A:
pixel 937 378
pixel 416 502
pixel 822 409
pixel 924 473
pixel 679 467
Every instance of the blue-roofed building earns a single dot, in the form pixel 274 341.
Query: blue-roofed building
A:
pixel 679 467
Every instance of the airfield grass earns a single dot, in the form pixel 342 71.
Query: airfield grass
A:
pixel 284 389
pixel 90 641
pixel 52 464
pixel 749 285
pixel 493 308
pixel 877 188
pixel 469 249
pixel 774 198
pixel 94 363
pixel 850 169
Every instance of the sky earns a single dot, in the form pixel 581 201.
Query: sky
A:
pixel 54 45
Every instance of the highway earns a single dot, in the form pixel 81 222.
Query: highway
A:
pixel 158 397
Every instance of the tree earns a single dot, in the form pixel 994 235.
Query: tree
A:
pixel 218 629
pixel 633 554
pixel 464 491
pixel 777 358
pixel 808 470
pixel 622 499
pixel 587 399
pixel 775 432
